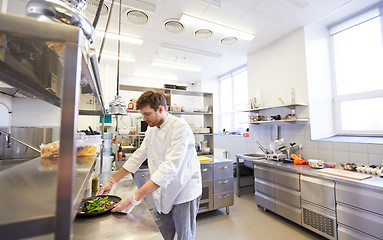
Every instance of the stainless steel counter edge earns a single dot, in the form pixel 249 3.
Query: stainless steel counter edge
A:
pixel 375 182
pixel 217 160
pixel 139 224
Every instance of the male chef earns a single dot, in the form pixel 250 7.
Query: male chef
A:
pixel 174 167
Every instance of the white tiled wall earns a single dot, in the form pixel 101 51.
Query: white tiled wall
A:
pixel 360 153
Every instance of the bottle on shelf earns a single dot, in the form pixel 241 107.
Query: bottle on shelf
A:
pixel 120 153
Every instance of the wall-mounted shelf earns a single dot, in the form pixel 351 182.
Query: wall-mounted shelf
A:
pixel 191 113
pixel 298 121
pixel 291 106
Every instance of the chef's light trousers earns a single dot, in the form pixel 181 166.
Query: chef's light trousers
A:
pixel 181 220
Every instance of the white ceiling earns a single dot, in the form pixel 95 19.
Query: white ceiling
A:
pixel 268 20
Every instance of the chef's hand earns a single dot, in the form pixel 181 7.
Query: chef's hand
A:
pixel 106 187
pixel 126 205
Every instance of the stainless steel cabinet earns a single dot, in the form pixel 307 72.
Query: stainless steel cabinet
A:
pixel 346 233
pixel 368 199
pixel 278 191
pixel 265 201
pixel 318 191
pixel 217 185
pixel 319 219
pixel 141 176
pixel 361 220
pixel 288 196
pixel 360 209
pixel 318 205
pixel 287 179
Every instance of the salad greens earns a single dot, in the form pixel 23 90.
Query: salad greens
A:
pixel 96 205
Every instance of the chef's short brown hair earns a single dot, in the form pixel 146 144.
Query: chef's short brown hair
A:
pixel 152 98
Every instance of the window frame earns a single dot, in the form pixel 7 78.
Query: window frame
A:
pixel 232 111
pixel 338 99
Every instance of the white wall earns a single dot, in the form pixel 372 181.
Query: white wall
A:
pixel 34 113
pixel 319 81
pixel 277 68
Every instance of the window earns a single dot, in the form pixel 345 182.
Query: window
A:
pixel 357 50
pixel 233 96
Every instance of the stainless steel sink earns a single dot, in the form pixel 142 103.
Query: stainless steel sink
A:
pixel 248 158
pixel 254 155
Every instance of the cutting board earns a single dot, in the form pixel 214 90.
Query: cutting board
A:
pixel 344 173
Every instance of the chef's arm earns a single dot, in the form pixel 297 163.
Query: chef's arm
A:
pixel 120 174
pixel 145 190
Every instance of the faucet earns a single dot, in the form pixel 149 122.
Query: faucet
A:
pixel 264 150
pixel 8 135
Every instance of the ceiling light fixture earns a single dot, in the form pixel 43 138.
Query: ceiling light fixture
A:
pixel 115 57
pixel 146 75
pixel 137 16
pixel 190 50
pixel 166 64
pixel 201 23
pixel 203 34
pixel 122 38
pixel 174 26
pixel 228 41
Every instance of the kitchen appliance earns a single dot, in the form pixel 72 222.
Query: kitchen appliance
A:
pixel 142 126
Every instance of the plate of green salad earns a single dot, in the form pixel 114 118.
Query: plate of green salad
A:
pixel 97 205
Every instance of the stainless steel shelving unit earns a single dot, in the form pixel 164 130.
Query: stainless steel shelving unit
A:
pixel 41 199
pixel 169 94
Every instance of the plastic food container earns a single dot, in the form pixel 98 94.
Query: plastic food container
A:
pixel 330 164
pixel 89 145
pixel 316 163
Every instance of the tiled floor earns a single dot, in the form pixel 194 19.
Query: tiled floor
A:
pixel 247 221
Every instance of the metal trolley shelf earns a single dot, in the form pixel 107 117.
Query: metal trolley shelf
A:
pixel 51 62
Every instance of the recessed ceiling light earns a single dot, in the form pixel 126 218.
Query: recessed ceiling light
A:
pixel 215 27
pixel 229 41
pixel 174 26
pixel 203 34
pixel 190 50
pixel 137 16
pixel 122 37
pixel 167 64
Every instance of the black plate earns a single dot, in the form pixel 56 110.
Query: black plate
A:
pixel 114 199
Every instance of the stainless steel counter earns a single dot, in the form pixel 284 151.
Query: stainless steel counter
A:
pixel 29 192
pixel 375 182
pixel 139 224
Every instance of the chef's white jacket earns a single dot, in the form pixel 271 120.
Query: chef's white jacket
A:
pixel 172 161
